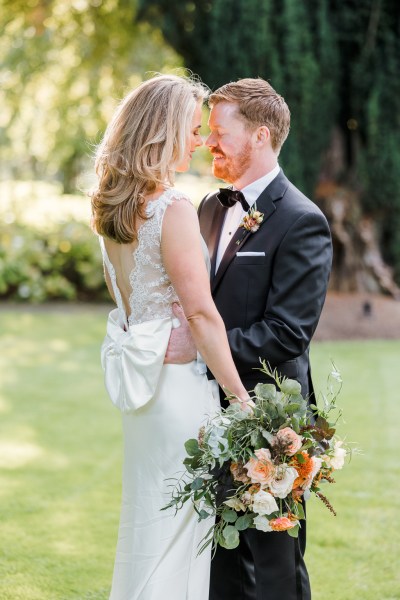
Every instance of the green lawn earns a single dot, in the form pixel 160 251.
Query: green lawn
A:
pixel 60 463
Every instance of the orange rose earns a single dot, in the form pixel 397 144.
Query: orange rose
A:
pixel 304 469
pixel 282 524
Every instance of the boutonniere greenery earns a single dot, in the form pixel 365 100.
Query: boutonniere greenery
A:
pixel 253 219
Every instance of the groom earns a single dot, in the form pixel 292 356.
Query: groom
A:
pixel 269 285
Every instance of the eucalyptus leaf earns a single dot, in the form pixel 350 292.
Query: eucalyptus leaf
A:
pixel 197 484
pixel 203 514
pixel 192 447
pixel 244 522
pixel 229 515
pixel 294 531
pixel 290 387
pixel 268 436
pixel 265 391
pixel 292 407
pixel 300 511
pixel 231 537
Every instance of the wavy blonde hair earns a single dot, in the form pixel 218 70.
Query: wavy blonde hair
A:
pixel 144 142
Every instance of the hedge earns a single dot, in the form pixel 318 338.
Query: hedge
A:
pixel 63 263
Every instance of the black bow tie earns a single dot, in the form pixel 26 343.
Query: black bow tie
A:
pixel 229 197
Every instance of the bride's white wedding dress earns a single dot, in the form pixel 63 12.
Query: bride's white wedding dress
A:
pixel 162 406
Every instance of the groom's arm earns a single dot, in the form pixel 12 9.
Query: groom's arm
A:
pixel 297 293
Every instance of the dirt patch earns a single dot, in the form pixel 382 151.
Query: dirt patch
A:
pixel 344 317
pixel 359 316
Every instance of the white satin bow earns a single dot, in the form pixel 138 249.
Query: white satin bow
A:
pixel 132 360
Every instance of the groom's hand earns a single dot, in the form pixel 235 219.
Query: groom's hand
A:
pixel 181 348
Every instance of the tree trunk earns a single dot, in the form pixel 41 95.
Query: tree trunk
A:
pixel 358 265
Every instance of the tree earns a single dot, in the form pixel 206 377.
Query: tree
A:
pixel 336 62
pixel 64 66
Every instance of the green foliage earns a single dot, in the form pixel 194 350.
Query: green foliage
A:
pixel 61 263
pixel 64 66
pixel 225 470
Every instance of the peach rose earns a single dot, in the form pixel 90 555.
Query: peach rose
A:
pixel 282 524
pixel 289 440
pixel 260 469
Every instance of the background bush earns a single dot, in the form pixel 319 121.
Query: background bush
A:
pixel 61 263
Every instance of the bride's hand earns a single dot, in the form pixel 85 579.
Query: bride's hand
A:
pixel 246 404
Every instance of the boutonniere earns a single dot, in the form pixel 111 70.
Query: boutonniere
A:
pixel 253 219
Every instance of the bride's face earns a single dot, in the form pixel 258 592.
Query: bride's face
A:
pixel 194 141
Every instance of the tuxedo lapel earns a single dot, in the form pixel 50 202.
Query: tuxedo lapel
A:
pixel 266 205
pixel 215 234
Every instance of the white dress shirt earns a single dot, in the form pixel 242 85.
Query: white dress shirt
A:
pixel 234 215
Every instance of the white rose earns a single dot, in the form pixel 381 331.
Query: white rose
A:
pixel 235 504
pixel 261 523
pixel 282 481
pixel 339 454
pixel 264 503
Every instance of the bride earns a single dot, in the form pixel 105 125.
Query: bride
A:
pixel 154 257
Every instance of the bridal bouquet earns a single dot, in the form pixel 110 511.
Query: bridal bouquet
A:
pixel 252 469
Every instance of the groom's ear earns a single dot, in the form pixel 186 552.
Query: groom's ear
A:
pixel 262 136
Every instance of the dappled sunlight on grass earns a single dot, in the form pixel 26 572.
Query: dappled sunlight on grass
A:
pixel 61 455
pixel 347 554
pixel 18 454
pixel 62 449
pixel 31 351
pixel 4 405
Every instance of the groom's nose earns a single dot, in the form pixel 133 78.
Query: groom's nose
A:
pixel 211 140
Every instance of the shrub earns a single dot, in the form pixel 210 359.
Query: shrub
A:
pixel 63 263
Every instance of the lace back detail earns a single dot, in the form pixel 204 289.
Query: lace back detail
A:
pixel 123 320
pixel 152 293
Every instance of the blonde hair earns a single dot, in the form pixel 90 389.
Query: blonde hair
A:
pixel 145 140
pixel 258 104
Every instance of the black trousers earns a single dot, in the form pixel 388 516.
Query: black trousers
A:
pixel 265 566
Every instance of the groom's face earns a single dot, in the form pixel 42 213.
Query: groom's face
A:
pixel 229 142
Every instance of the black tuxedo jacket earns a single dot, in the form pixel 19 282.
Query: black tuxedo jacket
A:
pixel 271 302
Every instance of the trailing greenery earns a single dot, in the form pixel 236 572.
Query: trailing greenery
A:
pixel 61 454
pixel 60 263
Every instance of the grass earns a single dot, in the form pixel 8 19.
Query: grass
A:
pixel 60 464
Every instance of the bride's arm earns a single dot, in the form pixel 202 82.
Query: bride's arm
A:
pixel 184 261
